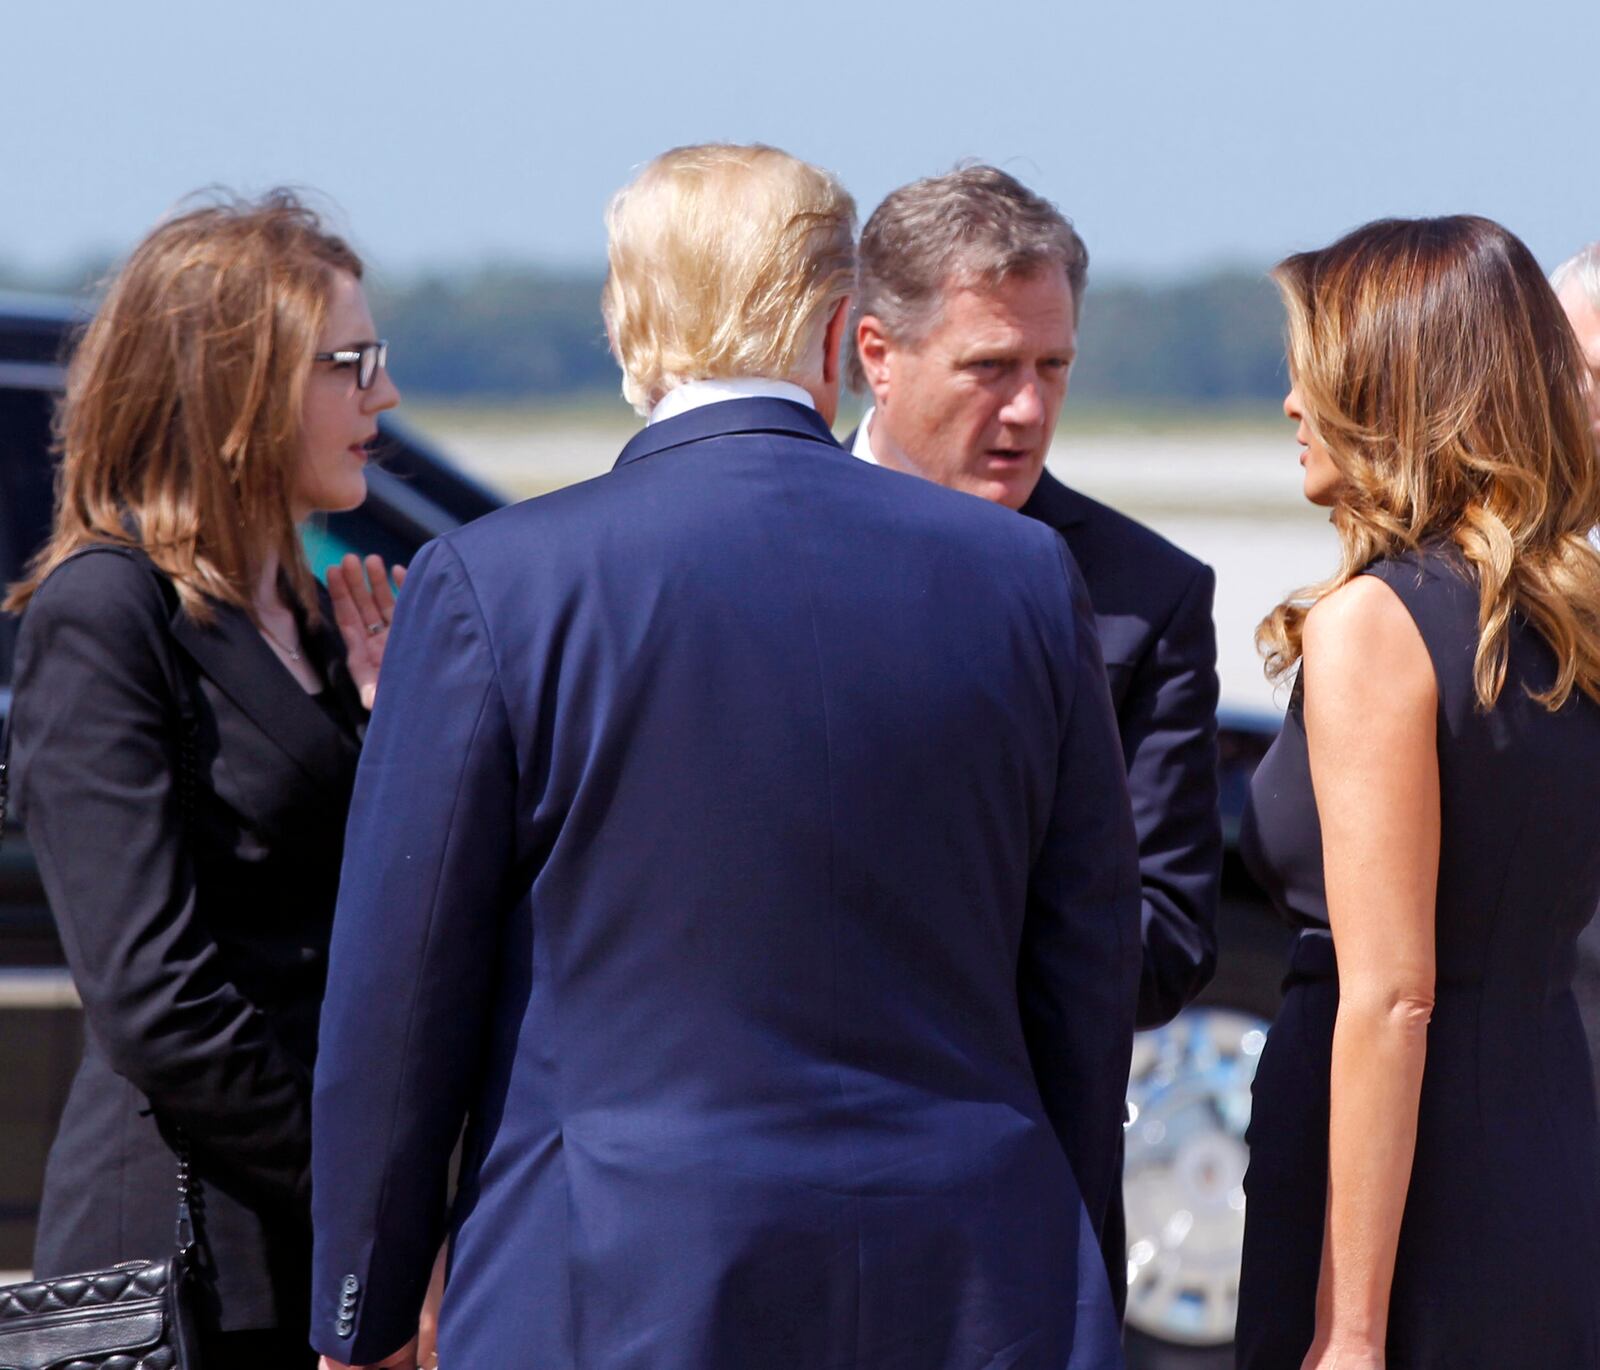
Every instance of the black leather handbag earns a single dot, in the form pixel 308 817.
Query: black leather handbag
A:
pixel 134 1316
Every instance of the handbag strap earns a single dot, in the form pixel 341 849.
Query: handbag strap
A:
pixel 188 779
pixel 184 1233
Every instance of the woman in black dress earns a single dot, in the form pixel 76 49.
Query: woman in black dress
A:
pixel 184 737
pixel 1422 1190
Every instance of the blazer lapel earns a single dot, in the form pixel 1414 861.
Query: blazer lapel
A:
pixel 233 655
pixel 1056 504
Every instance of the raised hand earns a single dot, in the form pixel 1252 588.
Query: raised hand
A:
pixel 363 606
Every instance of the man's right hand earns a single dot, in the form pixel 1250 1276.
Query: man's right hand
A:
pixel 403 1359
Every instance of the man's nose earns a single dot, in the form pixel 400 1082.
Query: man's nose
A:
pixel 1025 408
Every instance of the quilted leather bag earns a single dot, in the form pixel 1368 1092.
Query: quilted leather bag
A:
pixel 137 1315
pixel 131 1317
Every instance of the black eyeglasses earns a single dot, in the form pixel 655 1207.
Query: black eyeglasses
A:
pixel 366 358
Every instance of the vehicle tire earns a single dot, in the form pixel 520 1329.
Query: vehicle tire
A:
pixel 1189 1097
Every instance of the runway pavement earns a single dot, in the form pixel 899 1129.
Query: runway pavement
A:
pixel 1231 498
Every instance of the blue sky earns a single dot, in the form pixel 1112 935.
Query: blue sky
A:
pixel 1177 135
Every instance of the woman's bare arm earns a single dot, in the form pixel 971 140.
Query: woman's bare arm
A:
pixel 1371 704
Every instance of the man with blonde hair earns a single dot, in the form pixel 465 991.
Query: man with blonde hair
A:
pixel 706 858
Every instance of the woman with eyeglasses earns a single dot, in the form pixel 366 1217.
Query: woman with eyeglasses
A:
pixel 189 705
pixel 1422 1190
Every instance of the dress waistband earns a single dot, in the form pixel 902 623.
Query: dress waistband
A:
pixel 1311 957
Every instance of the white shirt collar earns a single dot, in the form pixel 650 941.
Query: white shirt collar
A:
pixel 693 394
pixel 862 446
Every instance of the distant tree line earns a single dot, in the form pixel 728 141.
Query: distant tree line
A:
pixel 1210 341
pixel 508 333
pixel 501 333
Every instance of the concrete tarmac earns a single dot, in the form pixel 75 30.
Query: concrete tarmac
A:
pixel 1231 498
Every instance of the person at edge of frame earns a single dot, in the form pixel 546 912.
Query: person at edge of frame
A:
pixel 1577 285
pixel 1423 1127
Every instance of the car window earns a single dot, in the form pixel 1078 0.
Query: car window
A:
pixel 363 531
pixel 324 547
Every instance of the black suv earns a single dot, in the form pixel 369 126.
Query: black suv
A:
pixel 1189 1096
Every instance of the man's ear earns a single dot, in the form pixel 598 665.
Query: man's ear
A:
pixel 872 347
pixel 833 342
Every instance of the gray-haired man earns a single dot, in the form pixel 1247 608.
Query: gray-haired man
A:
pixel 1577 286
pixel 969 292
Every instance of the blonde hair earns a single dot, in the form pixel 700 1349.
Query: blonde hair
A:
pixel 1436 366
pixel 725 261
pixel 180 432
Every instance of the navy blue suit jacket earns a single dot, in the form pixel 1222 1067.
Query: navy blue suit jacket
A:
pixel 705 857
pixel 1152 605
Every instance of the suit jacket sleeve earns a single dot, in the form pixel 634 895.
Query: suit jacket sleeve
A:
pixel 1079 967
pixel 1169 740
pixel 427 855
pixel 97 736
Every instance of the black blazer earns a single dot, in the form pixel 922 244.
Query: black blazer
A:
pixel 1152 605
pixel 199 944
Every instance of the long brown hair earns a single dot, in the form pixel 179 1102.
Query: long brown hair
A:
pixel 1437 367
pixel 180 431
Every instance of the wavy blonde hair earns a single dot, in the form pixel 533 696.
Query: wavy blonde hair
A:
pixel 1437 367
pixel 180 433
pixel 725 261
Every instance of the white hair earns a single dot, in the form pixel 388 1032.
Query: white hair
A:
pixel 1582 267
pixel 725 261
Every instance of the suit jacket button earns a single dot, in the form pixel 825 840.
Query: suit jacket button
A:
pixel 351 1284
pixel 345 1327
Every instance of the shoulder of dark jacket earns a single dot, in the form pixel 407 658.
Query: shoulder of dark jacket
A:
pixel 107 578
pixel 1114 537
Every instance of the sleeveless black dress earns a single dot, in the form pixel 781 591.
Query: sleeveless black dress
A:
pixel 1499 1257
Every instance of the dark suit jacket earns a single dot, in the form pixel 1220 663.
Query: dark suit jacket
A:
pixel 199 947
pixel 1152 605
pixel 705 854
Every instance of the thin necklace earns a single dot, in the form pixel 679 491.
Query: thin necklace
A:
pixel 282 646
